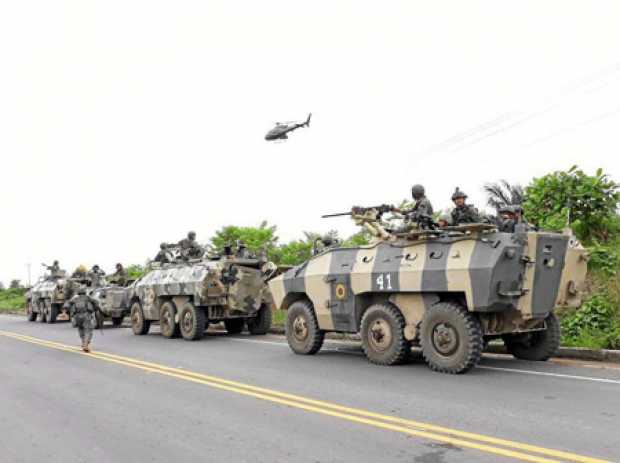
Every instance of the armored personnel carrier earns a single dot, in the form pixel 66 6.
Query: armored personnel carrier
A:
pixel 112 303
pixel 184 297
pixel 447 290
pixel 46 297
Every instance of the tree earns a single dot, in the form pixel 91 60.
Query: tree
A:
pixel 588 202
pixel 502 194
pixel 256 239
pixel 15 284
pixel 135 271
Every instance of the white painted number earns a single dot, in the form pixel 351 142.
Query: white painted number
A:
pixel 384 281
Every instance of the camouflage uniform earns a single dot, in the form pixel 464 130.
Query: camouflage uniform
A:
pixel 83 308
pixel 96 276
pixel 162 256
pixel 465 213
pixel 190 249
pixel 54 269
pixel 120 276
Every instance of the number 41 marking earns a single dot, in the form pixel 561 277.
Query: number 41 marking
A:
pixel 384 282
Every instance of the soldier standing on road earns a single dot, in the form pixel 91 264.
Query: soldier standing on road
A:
pixel 83 308
pixel 463 213
pixel 120 275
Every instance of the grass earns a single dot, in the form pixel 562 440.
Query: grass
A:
pixel 279 318
pixel 12 300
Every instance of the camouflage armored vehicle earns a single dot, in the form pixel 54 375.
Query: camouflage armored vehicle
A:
pixel 46 297
pixel 447 290
pixel 112 304
pixel 186 296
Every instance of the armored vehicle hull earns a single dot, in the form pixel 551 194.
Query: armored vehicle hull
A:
pixel 447 292
pixel 186 297
pixel 113 304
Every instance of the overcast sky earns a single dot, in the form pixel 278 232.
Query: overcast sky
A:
pixel 127 123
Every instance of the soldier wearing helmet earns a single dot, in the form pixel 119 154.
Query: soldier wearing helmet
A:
pixel 422 210
pixel 120 275
pixel 506 220
pixel 82 308
pixel 163 256
pixel 96 276
pixel 462 212
pixel 190 249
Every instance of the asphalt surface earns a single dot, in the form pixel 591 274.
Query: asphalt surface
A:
pixel 249 398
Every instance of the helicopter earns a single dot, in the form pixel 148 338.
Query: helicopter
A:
pixel 281 129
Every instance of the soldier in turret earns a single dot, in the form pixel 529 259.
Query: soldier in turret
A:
pixel 83 308
pixel 163 256
pixel 54 269
pixel 120 275
pixel 506 220
pixel 462 212
pixel 96 276
pixel 190 249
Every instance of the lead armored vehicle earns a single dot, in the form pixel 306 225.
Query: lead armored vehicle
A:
pixel 184 297
pixel 46 297
pixel 447 290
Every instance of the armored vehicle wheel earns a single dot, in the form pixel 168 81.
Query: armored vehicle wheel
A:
pixel 451 338
pixel 117 321
pixel 42 313
pixel 383 335
pixel 262 322
pixel 99 319
pixel 30 314
pixel 302 329
pixel 192 322
pixel 234 325
pixel 538 345
pixel 167 323
pixel 139 324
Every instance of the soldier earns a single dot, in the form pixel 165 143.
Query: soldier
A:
pixel 506 220
pixel 83 308
pixel 242 251
pixel 54 269
pixel 190 249
pixel 163 256
pixel 96 276
pixel 120 276
pixel 328 241
pixel 463 213
pixel 80 272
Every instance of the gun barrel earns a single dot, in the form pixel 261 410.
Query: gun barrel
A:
pixel 339 214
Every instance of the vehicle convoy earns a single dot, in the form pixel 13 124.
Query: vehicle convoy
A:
pixel 186 296
pixel 448 290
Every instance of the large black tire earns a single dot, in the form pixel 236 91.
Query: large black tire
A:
pixel 537 345
pixel 192 322
pixel 302 329
pixel 451 338
pixel 262 322
pixel 139 325
pixel 383 335
pixel 167 323
pixel 234 325
pixel 31 315
pixel 117 322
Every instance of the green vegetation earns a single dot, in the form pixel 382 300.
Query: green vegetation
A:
pixel 12 300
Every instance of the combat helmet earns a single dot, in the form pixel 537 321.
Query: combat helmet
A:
pixel 458 194
pixel 417 191
pixel 191 235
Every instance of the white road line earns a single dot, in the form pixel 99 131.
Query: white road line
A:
pixel 557 375
pixel 483 367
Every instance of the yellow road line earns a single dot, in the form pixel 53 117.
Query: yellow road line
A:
pixel 330 409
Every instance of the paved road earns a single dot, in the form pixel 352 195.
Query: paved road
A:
pixel 246 398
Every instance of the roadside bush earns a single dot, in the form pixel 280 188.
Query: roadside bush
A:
pixel 594 325
pixel 12 300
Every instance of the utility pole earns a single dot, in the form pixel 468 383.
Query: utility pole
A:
pixel 28 265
